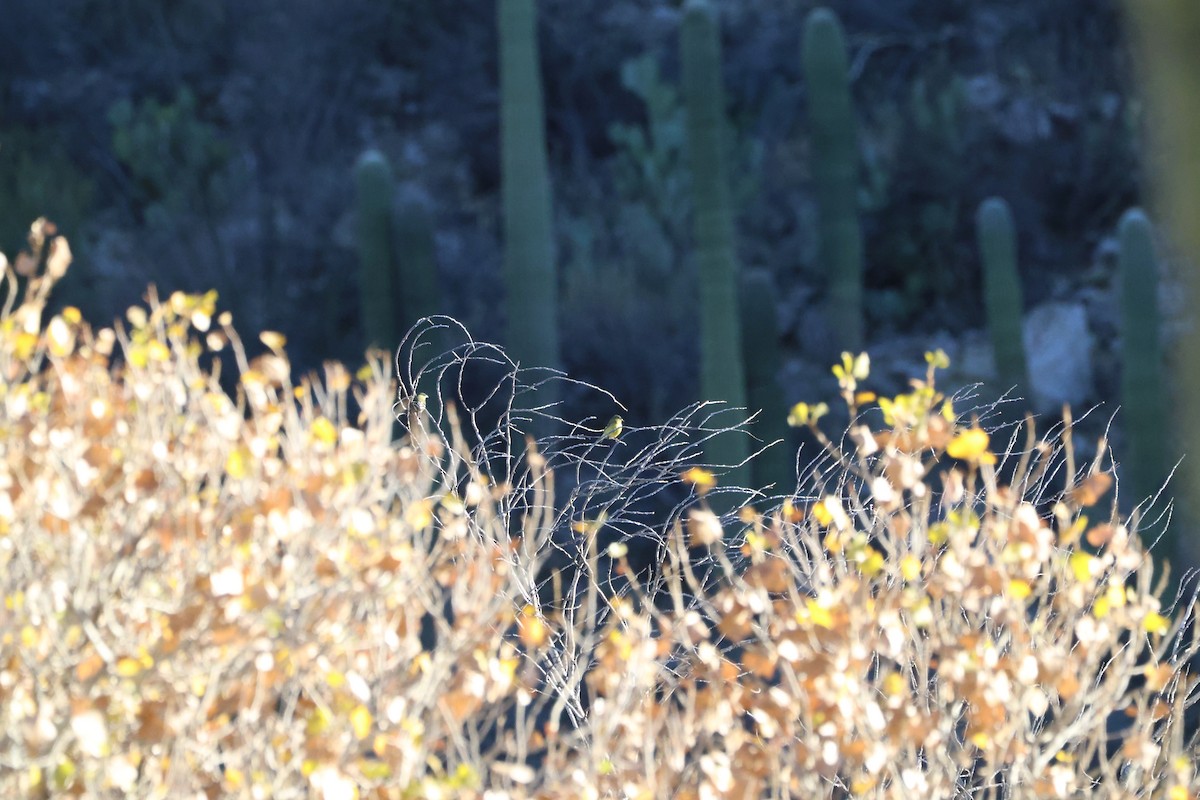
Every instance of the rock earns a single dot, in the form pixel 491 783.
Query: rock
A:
pixel 976 362
pixel 985 92
pixel 1026 121
pixel 1102 310
pixel 1058 350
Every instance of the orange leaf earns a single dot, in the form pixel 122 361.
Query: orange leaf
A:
pixel 86 669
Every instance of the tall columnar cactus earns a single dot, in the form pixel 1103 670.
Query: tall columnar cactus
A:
pixel 377 278
pixel 1168 39
pixel 529 253
pixel 417 294
pixel 722 375
pixel 760 348
pixel 835 165
pixel 1143 400
pixel 1002 293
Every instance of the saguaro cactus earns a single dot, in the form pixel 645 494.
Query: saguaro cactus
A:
pixel 417 292
pixel 1143 401
pixel 760 347
pixel 722 375
pixel 373 176
pixel 1167 33
pixel 529 253
pixel 835 166
pixel 1002 292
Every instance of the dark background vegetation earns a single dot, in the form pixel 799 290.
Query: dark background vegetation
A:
pixel 209 144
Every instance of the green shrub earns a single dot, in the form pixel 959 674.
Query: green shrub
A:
pixel 39 178
pixel 175 159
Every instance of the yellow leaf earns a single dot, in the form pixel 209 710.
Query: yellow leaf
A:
pixel 622 643
pixel 788 511
pixel 910 567
pixel 64 773
pixel 872 564
pixel 506 668
pixel 803 414
pixel 273 339
pixel 361 722
pixel 374 770
pixel 29 636
pixel 1072 534
pixel 318 721
pixel 757 541
pixel 862 785
pixel 128 667
pixel 894 684
pixel 453 503
pixel 1019 589
pixel 26 344
pixel 819 614
pixel 968 445
pixel 798 416
pixel 702 479
pixel 237 464
pixel 888 407
pixel 590 527
pixel 1116 595
pixel 234 778
pixel 418 515
pixel 1081 565
pixel 822 513
pixel 1155 623
pixel 157 351
pixel 531 629
pixel 323 430
pixel 464 776
pixel 862 366
pixel 937 359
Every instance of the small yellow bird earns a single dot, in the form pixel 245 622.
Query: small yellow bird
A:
pixel 613 429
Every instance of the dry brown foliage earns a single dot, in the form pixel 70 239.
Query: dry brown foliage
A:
pixel 207 596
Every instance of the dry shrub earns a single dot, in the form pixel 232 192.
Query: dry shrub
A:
pixel 209 597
